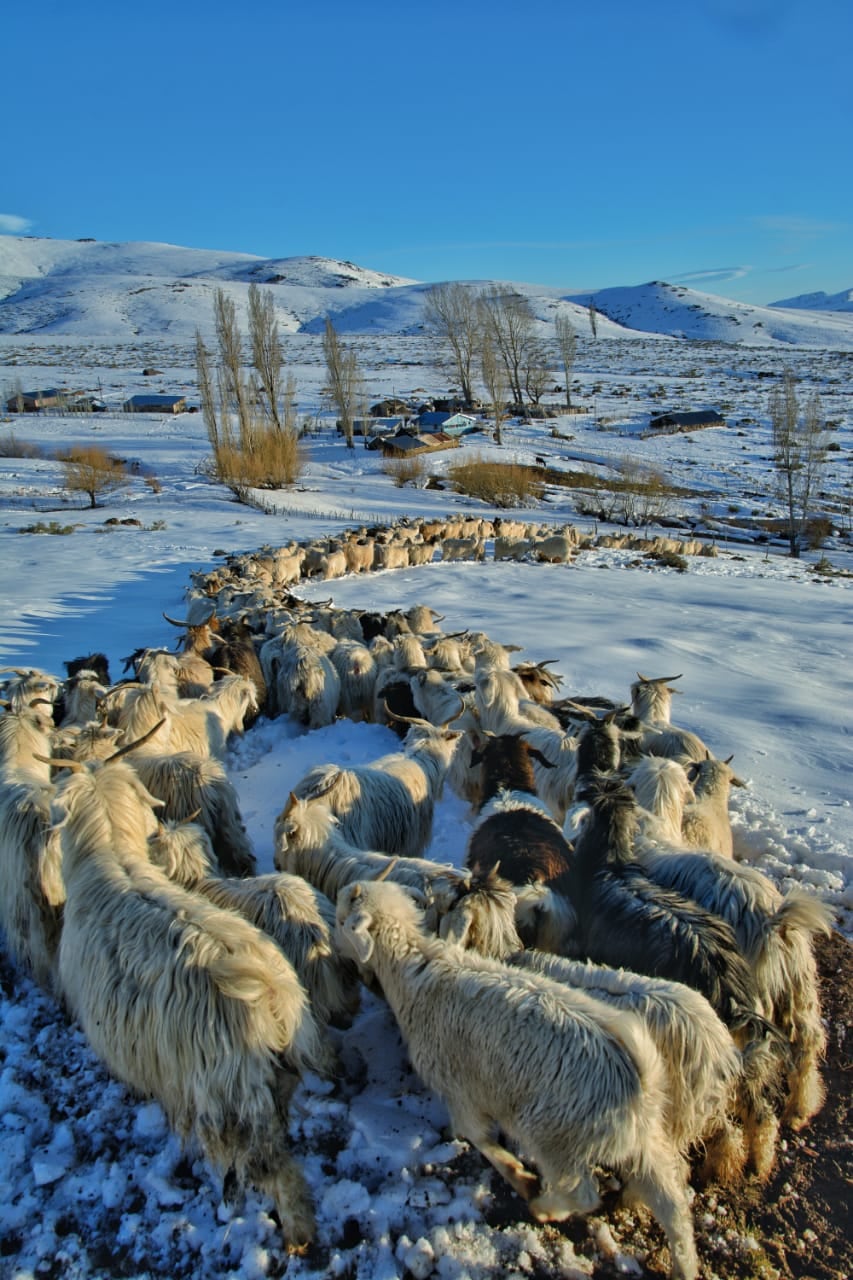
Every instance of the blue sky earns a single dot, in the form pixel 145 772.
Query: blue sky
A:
pixel 706 142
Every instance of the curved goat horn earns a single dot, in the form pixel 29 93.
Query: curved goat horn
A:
pixel 460 712
pixel 122 751
pixel 392 715
pixel 56 762
pixel 386 871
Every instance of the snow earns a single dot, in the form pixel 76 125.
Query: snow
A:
pixel 92 1182
pixel 81 289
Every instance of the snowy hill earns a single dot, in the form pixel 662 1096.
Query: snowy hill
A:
pixel 842 301
pixel 87 289
pixel 669 309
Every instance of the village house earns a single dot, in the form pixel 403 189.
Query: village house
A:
pixel 32 401
pixel 671 423
pixel 407 443
pixel 147 403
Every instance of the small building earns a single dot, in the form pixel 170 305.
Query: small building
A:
pixel 390 408
pixel 86 404
pixel 146 403
pixel 32 401
pixel 460 424
pixel 371 427
pixel 405 444
pixel 671 423
pixel 432 419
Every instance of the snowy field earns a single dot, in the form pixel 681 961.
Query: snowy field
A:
pixel 92 1183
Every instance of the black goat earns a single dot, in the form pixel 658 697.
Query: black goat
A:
pixel 627 920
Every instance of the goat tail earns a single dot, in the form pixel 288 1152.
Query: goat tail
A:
pixel 799 911
pixel 799 914
pixel 759 1030
pixel 263 980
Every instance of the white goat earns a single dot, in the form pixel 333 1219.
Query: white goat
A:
pixel 189 784
pixel 471 548
pixel 25 736
pixel 651 703
pixel 503 705
pixel 81 695
pixel 309 686
pixel 183 1001
pixel 357 673
pixel 28 684
pixel 309 842
pixel 31 887
pixel 702 1064
pixel 201 725
pixel 285 907
pixel 512 548
pixel 359 554
pixel 662 788
pixel 555 549
pixel 389 803
pixel 573 1082
pixel 705 822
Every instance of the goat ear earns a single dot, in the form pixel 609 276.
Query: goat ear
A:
pixel 356 930
pixel 537 755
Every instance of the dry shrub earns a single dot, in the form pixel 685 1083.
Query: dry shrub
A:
pixel 12 447
pixel 405 471
pixel 266 458
pixel 818 529
pixel 669 560
pixel 501 484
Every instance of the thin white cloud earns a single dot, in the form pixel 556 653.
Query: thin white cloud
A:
pixel 712 274
pixel 790 224
pixel 794 266
pixel 11 224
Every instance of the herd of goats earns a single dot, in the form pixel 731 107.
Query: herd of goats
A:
pixel 599 988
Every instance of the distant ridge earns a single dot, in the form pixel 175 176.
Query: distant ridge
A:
pixel 842 301
pixel 87 289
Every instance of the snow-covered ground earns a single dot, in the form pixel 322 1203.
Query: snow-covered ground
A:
pixel 91 1182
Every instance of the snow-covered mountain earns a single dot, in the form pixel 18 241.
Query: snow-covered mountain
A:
pixel 92 289
pixel 678 312
pixel 842 301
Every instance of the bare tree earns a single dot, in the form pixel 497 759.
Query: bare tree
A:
pixel 537 371
pixel 262 451
pixel 452 310
pixel 235 390
pixel 344 379
pixel 207 394
pixel 91 471
pixel 266 349
pixel 508 320
pixel 495 381
pixel 799 454
pixel 567 345
pixel 644 497
pixel 593 319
